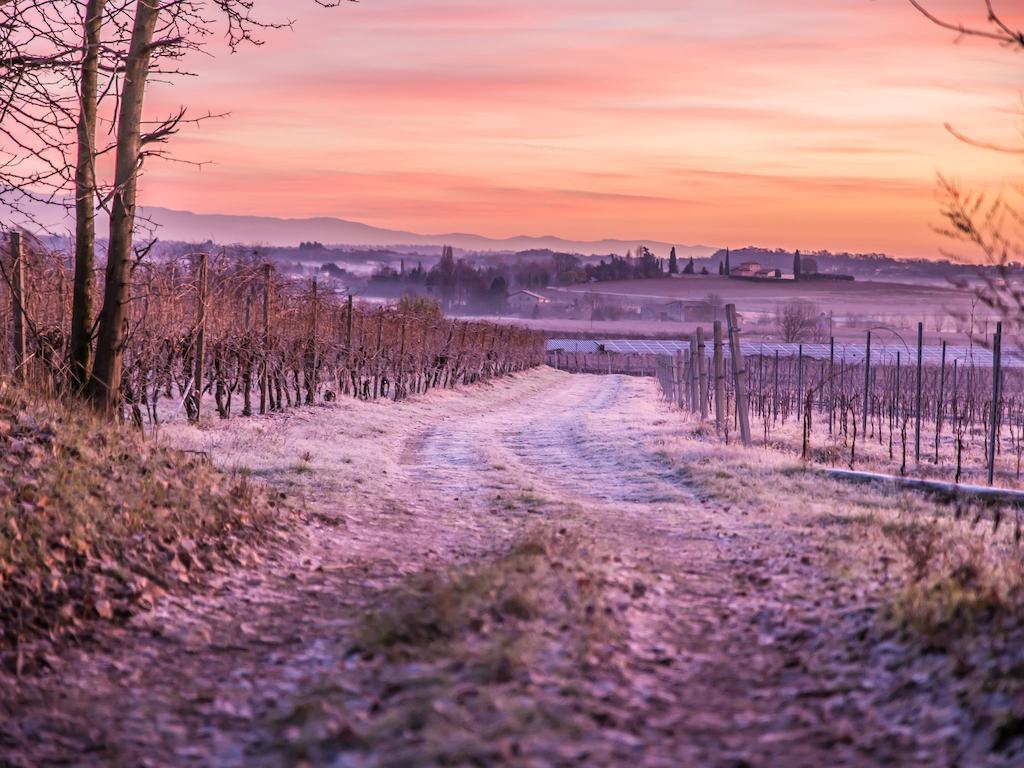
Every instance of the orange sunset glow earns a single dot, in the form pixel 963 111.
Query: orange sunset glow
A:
pixel 793 123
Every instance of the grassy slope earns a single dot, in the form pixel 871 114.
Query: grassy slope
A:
pixel 95 523
pixel 951 578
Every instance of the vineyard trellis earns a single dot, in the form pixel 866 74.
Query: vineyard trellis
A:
pixel 228 328
pixel 931 410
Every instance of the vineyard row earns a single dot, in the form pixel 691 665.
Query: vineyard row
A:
pixel 229 329
pixel 945 419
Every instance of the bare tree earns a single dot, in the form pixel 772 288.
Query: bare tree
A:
pixel 55 71
pixel 991 227
pixel 798 320
pixel 998 30
pixel 105 381
pixel 52 56
pixel 80 344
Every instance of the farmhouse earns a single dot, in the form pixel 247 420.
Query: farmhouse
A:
pixel 525 302
pixel 746 269
pixel 753 269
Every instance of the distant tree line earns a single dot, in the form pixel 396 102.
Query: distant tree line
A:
pixel 484 287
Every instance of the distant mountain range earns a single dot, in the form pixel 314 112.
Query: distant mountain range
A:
pixel 267 230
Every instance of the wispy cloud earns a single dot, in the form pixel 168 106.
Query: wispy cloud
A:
pixel 734 121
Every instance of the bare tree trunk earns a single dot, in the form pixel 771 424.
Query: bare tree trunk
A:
pixel 85 199
pixel 105 382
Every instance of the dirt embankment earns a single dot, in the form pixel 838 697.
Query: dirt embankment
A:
pixel 97 524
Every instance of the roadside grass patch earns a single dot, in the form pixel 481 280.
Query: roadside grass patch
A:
pixel 436 608
pixel 961 594
pixel 455 650
pixel 957 584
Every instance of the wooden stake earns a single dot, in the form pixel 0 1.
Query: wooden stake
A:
pixel 197 383
pixel 939 406
pixel 312 362
pixel 867 387
pixel 18 305
pixel 702 373
pixel 673 395
pixel 348 329
pixel 739 368
pixel 265 372
pixel 719 370
pixel 917 397
pixel 677 362
pixel 247 361
pixel 997 370
pixel 831 383
pixel 694 375
pixel 800 381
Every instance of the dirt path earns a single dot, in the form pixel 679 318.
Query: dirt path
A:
pixel 652 624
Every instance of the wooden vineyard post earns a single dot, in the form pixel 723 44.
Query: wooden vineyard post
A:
pixel 939 407
pixel 867 387
pixel 378 367
pixel 18 304
pixel 400 367
pixel 311 360
pixel 673 395
pixel 702 373
pixel 775 388
pixel 899 372
pixel 694 375
pixel 458 357
pixel 831 383
pixel 739 368
pixel 423 373
pixel 800 381
pixel 265 367
pixel 197 379
pixel 917 395
pixel 348 330
pixel 997 370
pixel 247 369
pixel 349 352
pixel 679 366
pixel 719 370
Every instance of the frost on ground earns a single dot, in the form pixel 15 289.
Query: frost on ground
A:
pixel 546 570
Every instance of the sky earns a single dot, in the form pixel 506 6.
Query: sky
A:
pixel 791 123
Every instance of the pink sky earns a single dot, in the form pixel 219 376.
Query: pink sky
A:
pixel 798 123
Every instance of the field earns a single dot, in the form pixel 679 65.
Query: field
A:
pixel 854 306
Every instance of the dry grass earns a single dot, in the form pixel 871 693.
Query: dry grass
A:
pixel 478 628
pixel 951 553
pixel 541 575
pixel 950 579
pixel 94 522
pixel 961 579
